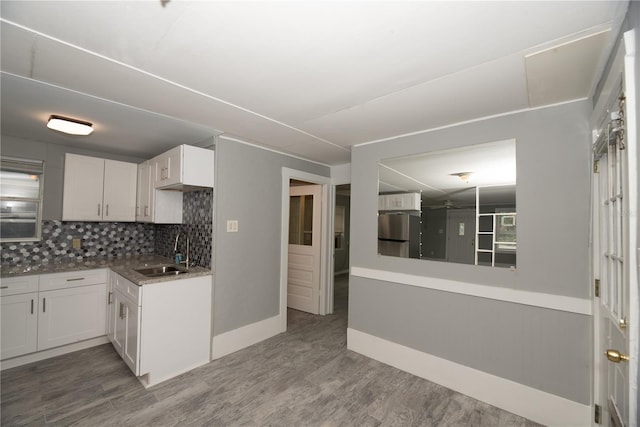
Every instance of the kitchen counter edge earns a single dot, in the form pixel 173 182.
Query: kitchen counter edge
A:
pixel 124 266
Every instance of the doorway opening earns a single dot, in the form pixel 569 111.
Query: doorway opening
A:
pixel 341 245
pixel 306 270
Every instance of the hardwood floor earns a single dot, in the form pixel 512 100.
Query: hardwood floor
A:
pixel 304 377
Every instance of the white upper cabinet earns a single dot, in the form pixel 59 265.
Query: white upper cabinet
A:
pixel 98 189
pixel 160 207
pixel 183 167
pixel 399 202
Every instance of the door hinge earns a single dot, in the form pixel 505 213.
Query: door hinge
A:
pixel 597 414
pixel 597 287
pixel 595 166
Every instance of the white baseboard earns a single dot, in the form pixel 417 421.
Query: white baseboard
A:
pixel 53 352
pixel 232 341
pixel 536 405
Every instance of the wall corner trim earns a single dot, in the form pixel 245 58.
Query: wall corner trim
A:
pixel 533 404
pixel 517 296
pixel 245 336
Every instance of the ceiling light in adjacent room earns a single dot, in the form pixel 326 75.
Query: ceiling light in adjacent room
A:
pixel 464 176
pixel 69 126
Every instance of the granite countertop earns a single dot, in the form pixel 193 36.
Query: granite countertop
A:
pixel 122 265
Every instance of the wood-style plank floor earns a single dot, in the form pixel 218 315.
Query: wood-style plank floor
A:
pixel 304 377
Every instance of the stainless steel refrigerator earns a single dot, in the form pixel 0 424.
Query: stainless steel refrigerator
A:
pixel 399 234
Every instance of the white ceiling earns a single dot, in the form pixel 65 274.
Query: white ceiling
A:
pixel 306 78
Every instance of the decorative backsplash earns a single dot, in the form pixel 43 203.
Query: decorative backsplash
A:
pixel 97 239
pixel 197 223
pixel 117 239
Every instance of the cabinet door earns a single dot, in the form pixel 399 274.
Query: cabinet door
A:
pixel 169 168
pixel 131 348
pixel 143 202
pixel 112 311
pixel 119 324
pixel 70 315
pixel 83 187
pixel 18 316
pixel 120 183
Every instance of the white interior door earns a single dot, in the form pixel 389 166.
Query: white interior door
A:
pixel 615 391
pixel 303 273
pixel 461 233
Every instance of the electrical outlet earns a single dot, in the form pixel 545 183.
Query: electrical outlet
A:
pixel 76 243
pixel 232 226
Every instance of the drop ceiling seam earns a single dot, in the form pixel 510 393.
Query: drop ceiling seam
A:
pixel 111 101
pixel 175 84
pixel 413 179
pixel 273 150
pixel 466 122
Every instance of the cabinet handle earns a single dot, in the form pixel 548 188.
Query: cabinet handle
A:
pixel 32 306
pixel 4 287
pixel 123 311
pixel 137 210
pixel 146 211
pixel 75 279
pixel 107 213
pixel 98 209
pixel 110 300
pixel 44 305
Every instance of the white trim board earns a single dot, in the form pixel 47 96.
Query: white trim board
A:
pixel 536 405
pixel 535 299
pixel 53 352
pixel 243 337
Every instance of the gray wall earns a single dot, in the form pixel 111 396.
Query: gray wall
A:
pixel 520 343
pixel 341 257
pixel 53 156
pixel 247 263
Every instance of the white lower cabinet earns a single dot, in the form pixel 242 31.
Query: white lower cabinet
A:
pixel 60 309
pixel 131 349
pixel 71 315
pixel 162 330
pixel 19 316
pixel 125 322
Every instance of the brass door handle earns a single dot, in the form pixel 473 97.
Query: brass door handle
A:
pixel 616 356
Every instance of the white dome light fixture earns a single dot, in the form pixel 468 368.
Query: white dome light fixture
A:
pixel 464 176
pixel 69 126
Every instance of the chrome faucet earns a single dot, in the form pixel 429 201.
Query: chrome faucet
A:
pixel 175 249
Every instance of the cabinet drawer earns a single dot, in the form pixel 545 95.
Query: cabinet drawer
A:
pixel 18 285
pixel 49 282
pixel 128 288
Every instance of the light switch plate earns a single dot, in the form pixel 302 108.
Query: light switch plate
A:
pixel 232 226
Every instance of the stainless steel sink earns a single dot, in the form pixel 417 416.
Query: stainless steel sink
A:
pixel 165 270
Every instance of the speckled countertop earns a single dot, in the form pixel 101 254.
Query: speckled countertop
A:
pixel 122 265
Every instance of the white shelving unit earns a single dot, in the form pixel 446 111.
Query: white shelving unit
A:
pixel 495 234
pixel 487 241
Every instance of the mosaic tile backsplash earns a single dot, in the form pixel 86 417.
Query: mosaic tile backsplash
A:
pixel 116 239
pixel 197 223
pixel 97 239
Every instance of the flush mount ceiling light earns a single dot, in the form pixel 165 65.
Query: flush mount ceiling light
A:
pixel 69 126
pixel 464 176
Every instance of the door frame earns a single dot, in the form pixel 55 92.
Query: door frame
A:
pixel 326 237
